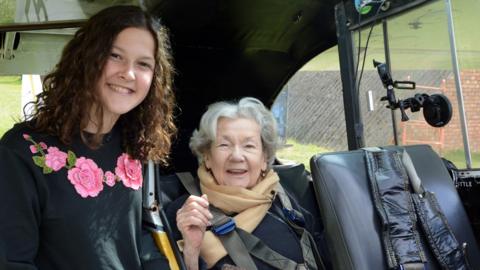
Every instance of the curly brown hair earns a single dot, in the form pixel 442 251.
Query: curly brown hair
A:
pixel 70 89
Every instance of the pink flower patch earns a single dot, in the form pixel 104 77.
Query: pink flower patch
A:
pixel 110 178
pixel 55 158
pixel 130 171
pixel 34 149
pixel 83 173
pixel 86 177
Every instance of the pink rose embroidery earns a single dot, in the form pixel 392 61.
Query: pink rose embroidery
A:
pixel 83 173
pixel 55 158
pixel 33 149
pixel 86 177
pixel 130 171
pixel 110 178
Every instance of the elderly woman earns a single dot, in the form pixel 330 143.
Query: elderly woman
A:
pixel 235 146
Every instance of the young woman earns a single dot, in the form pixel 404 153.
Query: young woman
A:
pixel 71 177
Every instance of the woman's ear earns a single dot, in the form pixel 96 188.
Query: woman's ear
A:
pixel 207 161
pixel 264 165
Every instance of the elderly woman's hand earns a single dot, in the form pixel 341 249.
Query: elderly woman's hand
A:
pixel 192 221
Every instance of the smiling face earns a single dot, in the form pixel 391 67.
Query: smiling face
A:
pixel 128 72
pixel 236 157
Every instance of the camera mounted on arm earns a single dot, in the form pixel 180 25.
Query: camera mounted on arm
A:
pixel 437 109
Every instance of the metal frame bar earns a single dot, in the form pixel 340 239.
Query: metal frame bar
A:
pixel 458 84
pixel 353 118
pixel 18 27
pixel 353 121
pixel 386 47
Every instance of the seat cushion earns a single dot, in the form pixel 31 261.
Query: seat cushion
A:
pixel 351 224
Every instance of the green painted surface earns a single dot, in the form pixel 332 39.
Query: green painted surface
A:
pixel 10 107
pixel 7 11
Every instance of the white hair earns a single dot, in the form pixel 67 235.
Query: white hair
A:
pixel 247 107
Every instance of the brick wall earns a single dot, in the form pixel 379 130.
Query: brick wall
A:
pixel 315 112
pixel 450 136
pixel 471 96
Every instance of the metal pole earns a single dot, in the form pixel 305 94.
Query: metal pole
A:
pixel 353 119
pixel 458 84
pixel 18 27
pixel 387 61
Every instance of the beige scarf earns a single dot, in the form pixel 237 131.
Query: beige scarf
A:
pixel 250 204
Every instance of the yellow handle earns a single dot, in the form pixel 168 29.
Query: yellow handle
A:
pixel 161 239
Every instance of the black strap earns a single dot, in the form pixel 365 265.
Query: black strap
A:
pixel 387 172
pixel 394 205
pixel 310 252
pixel 189 183
pixel 262 252
pixel 439 235
pixel 237 250
pixel 240 244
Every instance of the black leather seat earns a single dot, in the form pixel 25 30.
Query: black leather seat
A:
pixel 298 182
pixel 350 221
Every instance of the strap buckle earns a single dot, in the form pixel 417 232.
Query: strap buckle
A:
pixel 294 216
pixel 224 228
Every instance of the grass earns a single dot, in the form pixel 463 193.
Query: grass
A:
pixel 419 39
pixel 10 108
pixel 458 158
pixel 15 80
pixel 299 153
pixel 7 12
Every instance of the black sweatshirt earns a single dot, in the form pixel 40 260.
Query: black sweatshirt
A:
pixel 46 224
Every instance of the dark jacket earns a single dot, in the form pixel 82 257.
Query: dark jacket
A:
pixel 273 230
